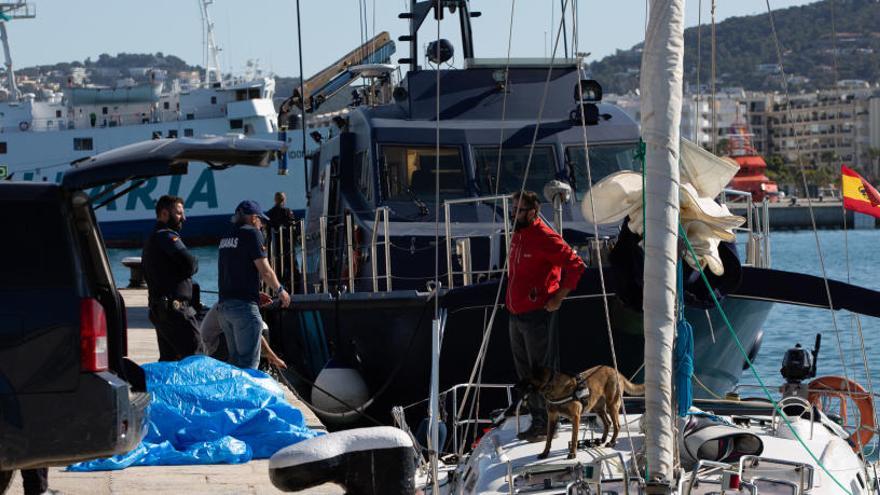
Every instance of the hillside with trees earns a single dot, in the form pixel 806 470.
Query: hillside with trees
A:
pixel 746 54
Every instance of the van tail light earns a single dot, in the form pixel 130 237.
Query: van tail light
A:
pixel 92 335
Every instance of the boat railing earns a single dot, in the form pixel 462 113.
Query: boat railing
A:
pixel 137 117
pixel 463 244
pixel 282 255
pixel 381 217
pixel 471 422
pixel 756 229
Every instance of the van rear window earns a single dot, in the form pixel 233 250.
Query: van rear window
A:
pixel 35 250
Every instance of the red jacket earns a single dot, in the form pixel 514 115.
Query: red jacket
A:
pixel 540 263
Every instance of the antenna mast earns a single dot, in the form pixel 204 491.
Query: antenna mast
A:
pixel 9 11
pixel 212 65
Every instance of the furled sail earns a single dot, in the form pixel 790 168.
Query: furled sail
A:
pixel 661 88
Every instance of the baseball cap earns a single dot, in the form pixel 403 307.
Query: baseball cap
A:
pixel 249 207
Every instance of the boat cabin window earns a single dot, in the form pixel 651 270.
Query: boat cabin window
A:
pixel 236 123
pixel 604 161
pixel 411 171
pixel 508 176
pixel 3 148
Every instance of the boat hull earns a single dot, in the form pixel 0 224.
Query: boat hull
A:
pixel 391 344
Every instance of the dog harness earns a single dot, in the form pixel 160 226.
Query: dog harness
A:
pixel 580 393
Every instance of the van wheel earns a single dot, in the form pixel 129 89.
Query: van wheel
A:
pixel 5 480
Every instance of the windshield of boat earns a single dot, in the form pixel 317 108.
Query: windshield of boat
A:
pixel 604 161
pixel 508 177
pixel 410 172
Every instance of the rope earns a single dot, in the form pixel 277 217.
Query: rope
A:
pixel 352 409
pixel 707 389
pixel 752 368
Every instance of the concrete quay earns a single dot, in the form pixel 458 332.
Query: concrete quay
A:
pixel 785 215
pixel 215 479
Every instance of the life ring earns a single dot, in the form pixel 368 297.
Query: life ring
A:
pixel 839 387
pixel 23 125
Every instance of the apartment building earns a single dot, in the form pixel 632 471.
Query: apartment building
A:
pixel 830 127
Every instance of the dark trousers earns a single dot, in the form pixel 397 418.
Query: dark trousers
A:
pixel 533 344
pixel 35 481
pixel 177 331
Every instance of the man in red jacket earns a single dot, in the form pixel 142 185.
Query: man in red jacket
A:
pixel 542 269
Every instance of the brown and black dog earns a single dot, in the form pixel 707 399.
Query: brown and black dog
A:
pixel 570 396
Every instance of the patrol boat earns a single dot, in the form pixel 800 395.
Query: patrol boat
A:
pixel 357 335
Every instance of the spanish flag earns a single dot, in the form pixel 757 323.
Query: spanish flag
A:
pixel 858 195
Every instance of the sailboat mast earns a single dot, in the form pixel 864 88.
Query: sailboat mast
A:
pixel 661 89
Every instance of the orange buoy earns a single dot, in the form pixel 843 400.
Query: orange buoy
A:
pixel 840 387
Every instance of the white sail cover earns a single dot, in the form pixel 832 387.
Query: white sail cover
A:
pixel 661 87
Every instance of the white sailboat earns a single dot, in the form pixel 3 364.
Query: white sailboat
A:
pixel 790 446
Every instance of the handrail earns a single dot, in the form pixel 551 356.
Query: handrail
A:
pixel 374 238
pixel 757 227
pixel 802 468
pixel 505 207
pixel 323 234
pixel 305 265
pixel 349 248
pixel 713 465
pixel 793 400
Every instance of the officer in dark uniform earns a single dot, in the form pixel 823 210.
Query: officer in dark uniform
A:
pixel 168 269
pixel 283 245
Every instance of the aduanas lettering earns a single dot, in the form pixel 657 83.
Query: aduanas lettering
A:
pixel 229 242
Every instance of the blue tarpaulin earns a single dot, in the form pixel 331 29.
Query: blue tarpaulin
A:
pixel 204 411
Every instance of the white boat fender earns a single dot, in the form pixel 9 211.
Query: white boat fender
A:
pixel 364 461
pixel 344 383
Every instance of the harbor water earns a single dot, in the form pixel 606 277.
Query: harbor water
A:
pixel 847 256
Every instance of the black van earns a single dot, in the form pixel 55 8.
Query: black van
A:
pixel 67 391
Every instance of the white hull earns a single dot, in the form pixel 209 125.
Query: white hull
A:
pixel 44 156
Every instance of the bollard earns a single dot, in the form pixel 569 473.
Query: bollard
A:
pixel 136 279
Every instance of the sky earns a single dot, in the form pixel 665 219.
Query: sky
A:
pixel 265 30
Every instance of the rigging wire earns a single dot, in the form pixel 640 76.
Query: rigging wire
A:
pixel 858 326
pixel 802 168
pixel 302 108
pixel 595 225
pixel 698 111
pixel 436 324
pixel 564 29
pixel 712 81
pixel 481 355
